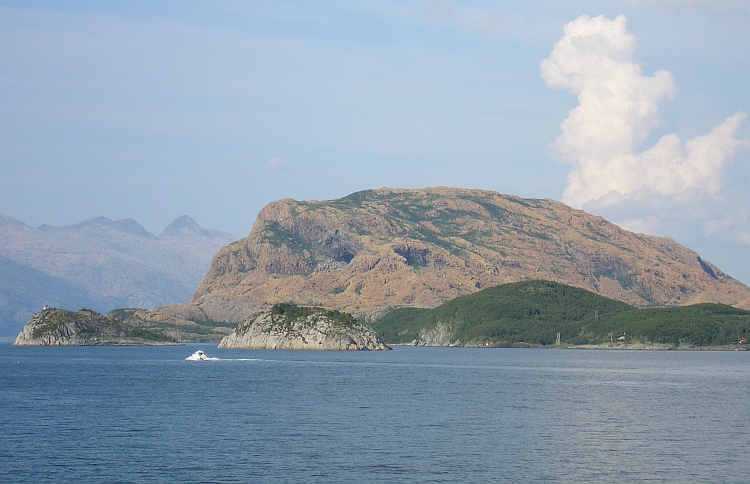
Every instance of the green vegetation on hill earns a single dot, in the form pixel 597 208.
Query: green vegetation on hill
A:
pixel 529 312
pixel 90 325
pixel 700 325
pixel 533 312
pixel 290 311
pixel 285 315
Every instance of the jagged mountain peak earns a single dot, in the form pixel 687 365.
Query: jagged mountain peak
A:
pixel 184 225
pixel 11 222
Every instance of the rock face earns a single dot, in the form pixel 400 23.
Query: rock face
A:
pixel 440 335
pixel 288 327
pixel 58 327
pixel 378 249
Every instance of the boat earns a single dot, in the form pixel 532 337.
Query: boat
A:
pixel 197 356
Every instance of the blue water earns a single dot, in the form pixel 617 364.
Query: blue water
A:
pixel 144 414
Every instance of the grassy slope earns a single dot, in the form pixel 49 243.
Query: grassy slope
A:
pixel 535 311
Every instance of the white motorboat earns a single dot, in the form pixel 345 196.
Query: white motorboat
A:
pixel 198 356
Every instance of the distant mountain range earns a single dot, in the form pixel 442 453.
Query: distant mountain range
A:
pixel 99 264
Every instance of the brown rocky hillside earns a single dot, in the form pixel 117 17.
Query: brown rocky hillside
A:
pixel 378 249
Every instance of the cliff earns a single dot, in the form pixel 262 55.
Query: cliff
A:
pixel 379 249
pixel 290 327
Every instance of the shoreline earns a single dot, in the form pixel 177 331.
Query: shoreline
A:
pixel 603 346
pixel 658 347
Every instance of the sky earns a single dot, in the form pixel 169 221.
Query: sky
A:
pixel 634 110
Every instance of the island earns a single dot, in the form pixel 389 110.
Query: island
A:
pixel 60 327
pixel 287 326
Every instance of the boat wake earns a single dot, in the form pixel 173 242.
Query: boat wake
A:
pixel 239 359
pixel 201 356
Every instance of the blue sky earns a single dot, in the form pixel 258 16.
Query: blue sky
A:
pixel 151 110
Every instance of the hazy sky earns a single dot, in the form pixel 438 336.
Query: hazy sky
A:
pixel 633 110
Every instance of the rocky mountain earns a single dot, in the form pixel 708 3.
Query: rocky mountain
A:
pixel 99 264
pixel 379 249
pixel 291 327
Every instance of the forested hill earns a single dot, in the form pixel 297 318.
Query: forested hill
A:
pixel 534 312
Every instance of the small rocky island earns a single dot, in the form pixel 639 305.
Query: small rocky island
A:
pixel 290 327
pixel 59 327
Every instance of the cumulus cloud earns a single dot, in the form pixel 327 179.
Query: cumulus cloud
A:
pixel 618 109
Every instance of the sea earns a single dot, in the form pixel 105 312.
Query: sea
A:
pixel 146 415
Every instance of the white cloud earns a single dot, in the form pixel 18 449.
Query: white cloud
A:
pixel 618 109
pixel 646 225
